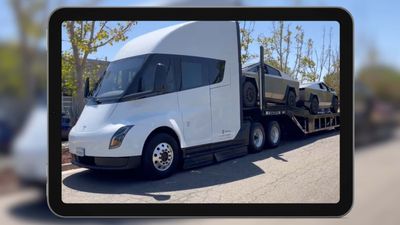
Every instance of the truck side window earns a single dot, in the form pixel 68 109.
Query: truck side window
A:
pixel 145 80
pixel 193 73
pixel 273 71
pixel 216 70
pixel 170 80
pixel 149 74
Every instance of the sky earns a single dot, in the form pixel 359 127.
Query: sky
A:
pixel 312 29
pixel 376 22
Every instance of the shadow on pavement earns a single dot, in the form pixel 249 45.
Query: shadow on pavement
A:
pixel 36 211
pixel 221 173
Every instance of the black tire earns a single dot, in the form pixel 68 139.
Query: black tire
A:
pixel 335 104
pixel 160 142
pixel 249 94
pixel 314 105
pixel 257 137
pixel 273 134
pixel 291 99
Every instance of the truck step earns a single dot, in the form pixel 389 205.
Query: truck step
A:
pixel 213 154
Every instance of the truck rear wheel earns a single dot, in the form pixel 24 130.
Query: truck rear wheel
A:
pixel 249 94
pixel 160 157
pixel 273 134
pixel 257 137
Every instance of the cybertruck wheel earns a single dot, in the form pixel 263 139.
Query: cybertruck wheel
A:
pixel 161 156
pixel 314 105
pixel 257 137
pixel 291 99
pixel 335 105
pixel 249 94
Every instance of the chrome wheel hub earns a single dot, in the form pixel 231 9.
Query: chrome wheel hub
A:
pixel 163 156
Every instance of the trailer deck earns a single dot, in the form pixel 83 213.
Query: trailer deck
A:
pixel 302 118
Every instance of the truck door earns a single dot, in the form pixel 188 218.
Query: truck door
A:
pixel 325 96
pixel 275 84
pixel 194 101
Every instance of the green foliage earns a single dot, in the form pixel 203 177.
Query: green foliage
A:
pixel 384 82
pixel 11 79
pixel 333 81
pixel 68 81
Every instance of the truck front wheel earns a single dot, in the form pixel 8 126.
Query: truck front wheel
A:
pixel 273 134
pixel 160 156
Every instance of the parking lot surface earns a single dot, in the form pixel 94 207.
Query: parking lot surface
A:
pixel 300 170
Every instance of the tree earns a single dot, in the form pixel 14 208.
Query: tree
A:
pixel 31 19
pixel 280 45
pixel 308 66
pixel 278 48
pixel 321 58
pixel 246 39
pixel 86 37
pixel 299 51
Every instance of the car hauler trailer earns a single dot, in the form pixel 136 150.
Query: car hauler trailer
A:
pixel 173 98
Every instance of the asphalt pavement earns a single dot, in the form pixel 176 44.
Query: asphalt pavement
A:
pixel 300 170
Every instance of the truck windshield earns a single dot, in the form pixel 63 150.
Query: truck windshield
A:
pixel 118 76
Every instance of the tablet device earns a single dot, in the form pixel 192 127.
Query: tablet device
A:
pixel 200 112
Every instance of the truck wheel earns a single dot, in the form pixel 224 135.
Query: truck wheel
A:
pixel 314 105
pixel 160 157
pixel 273 132
pixel 257 137
pixel 249 94
pixel 291 99
pixel 335 105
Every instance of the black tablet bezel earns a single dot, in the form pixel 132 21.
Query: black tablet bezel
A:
pixel 54 185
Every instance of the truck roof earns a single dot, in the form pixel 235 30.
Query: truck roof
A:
pixel 211 39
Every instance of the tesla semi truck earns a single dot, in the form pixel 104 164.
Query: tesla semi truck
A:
pixel 172 98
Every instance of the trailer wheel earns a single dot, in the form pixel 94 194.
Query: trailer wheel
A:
pixel 273 132
pixel 249 94
pixel 334 105
pixel 160 156
pixel 257 137
pixel 314 105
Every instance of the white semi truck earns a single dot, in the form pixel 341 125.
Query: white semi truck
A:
pixel 172 98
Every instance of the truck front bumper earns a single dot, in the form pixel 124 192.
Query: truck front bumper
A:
pixel 107 163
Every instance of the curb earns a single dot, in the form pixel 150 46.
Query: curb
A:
pixel 68 166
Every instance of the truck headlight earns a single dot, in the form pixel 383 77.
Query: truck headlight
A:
pixel 119 136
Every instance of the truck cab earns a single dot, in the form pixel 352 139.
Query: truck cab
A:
pixel 166 94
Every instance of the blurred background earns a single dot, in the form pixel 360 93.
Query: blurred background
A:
pixel 23 113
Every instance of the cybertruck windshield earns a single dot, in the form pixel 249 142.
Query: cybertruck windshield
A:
pixel 118 77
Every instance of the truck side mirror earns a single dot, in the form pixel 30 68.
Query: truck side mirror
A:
pixel 86 88
pixel 160 77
